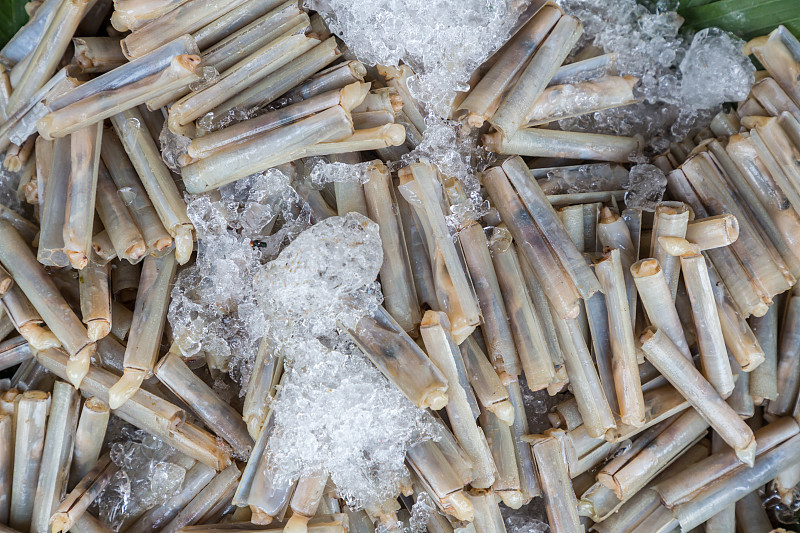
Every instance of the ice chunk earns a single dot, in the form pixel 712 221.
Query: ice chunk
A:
pixel 647 185
pixel 421 513
pixel 148 476
pixel 324 277
pixel 211 122
pixel 208 77
pixel 167 478
pixel 525 524
pixel 582 178
pixel 173 147
pixel 323 172
pixel 114 501
pixel 715 70
pixel 647 43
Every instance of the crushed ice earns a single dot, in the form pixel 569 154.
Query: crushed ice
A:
pixel 173 147
pixel 420 513
pixel 683 80
pixel 335 409
pixel 443 41
pixel 213 312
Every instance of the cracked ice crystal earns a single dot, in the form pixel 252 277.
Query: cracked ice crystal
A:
pixel 647 185
pixel 148 476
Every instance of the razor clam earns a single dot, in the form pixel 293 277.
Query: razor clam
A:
pixel 247 40
pixel 147 328
pixel 81 194
pixel 43 60
pixel 82 496
pixel 657 301
pixel 232 21
pixel 95 300
pixel 279 82
pixel 95 55
pixel 540 142
pixel 305 501
pixel 736 486
pixel 181 71
pixel 749 298
pixel 400 359
pixel 216 414
pixel 29 438
pixel 670 220
pixel 204 500
pixel 31 278
pixel 549 272
pixel 146 411
pixel 624 360
pixel 779 52
pixel 494 324
pixel 660 351
pixel 613 232
pixel 525 325
pixel 26 38
pixel 630 471
pixel 56 455
pixel 443 351
pixel 570 100
pixel 419 186
pixel 125 236
pixel 764 378
pixel 396 281
pixel 241 75
pixel 559 496
pixel 710 339
pixel 332 78
pixel 129 73
pixel 186 18
pixel 266 150
pixel 156 180
pixel 91 429
pixel 482 100
pixel 749 248
pixel 713 232
pixel 196 478
pixel 530 84
pixel 132 193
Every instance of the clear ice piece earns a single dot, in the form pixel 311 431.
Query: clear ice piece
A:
pixel 647 185
pixel 715 70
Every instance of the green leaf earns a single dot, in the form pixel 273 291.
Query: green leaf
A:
pixel 694 3
pixel 12 18
pixel 745 18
